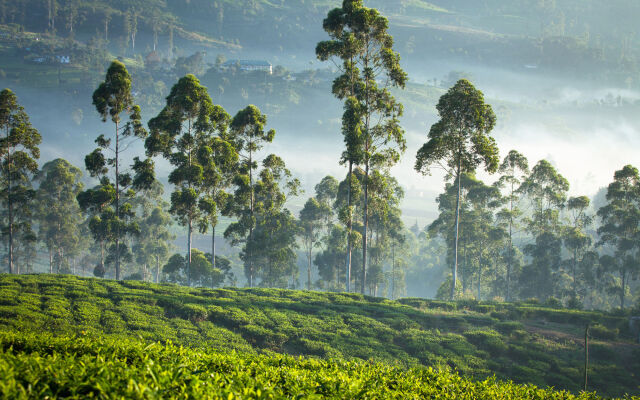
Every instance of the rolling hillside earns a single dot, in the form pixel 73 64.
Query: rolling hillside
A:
pixel 526 343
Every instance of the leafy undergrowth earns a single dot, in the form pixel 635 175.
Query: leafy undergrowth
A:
pixel 44 366
pixel 476 339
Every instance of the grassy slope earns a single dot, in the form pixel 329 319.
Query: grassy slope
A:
pixel 525 343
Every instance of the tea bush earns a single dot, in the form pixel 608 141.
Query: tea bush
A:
pixel 477 339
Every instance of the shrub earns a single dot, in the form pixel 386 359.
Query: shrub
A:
pixel 599 331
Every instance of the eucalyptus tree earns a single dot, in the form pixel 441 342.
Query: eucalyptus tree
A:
pixel 546 190
pixel 154 242
pixel 330 260
pixel 386 225
pixel 472 223
pixel 59 216
pixel 459 142
pixel 373 136
pixel 311 218
pixel 576 238
pixel 19 153
pixel 483 235
pixel 348 207
pixel 326 193
pixel 218 157
pixel 269 231
pixel 177 133
pixel 112 99
pixel 249 137
pixel 514 170
pixel 620 228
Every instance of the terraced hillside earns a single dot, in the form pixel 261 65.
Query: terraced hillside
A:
pixel 526 343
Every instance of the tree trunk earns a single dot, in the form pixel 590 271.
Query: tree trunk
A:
pixel 213 246
pixel 189 233
pixel 393 271
pixel 455 264
pixel 10 204
pixel 309 269
pixel 624 287
pixel 102 255
pixel 249 244
pixel 510 257
pixel 117 204
pixel 157 269
pixel 349 228
pixel 365 228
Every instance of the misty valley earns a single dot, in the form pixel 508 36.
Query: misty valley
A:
pixel 319 199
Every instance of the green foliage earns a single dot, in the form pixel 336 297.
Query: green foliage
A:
pixel 36 366
pixel 462 335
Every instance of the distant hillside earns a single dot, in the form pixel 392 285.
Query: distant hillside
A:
pixel 527 343
pixel 594 38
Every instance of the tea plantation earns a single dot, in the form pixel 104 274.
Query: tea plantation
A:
pixel 66 336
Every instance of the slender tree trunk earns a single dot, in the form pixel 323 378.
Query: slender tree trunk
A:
pixel 349 228
pixel 189 233
pixel 624 287
pixel 586 356
pixel 249 244
pixel 479 279
pixel 393 271
pixel 575 262
pixel 102 255
pixel 213 246
pixel 510 257
pixel 10 203
pixel 309 268
pixel 366 226
pixel 457 222
pixel 157 269
pixel 117 203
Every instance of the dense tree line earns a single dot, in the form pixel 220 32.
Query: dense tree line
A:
pixel 516 238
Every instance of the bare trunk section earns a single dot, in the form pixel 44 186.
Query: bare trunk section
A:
pixel 117 204
pixel 366 223
pixel 349 228
pixel 189 234
pixel 457 228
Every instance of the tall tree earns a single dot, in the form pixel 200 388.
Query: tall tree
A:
pixel 620 227
pixel 268 232
pixel 112 99
pixel 546 190
pixel 218 158
pixel 576 239
pixel 311 218
pixel 59 216
pixel 459 142
pixel 359 38
pixel 154 242
pixel 18 154
pixel 513 170
pixel 177 133
pixel 249 136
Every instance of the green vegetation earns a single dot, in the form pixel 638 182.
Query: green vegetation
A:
pixel 44 366
pixel 523 342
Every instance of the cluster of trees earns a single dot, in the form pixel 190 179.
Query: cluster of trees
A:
pixel 519 237
pixel 218 169
pixel 524 237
